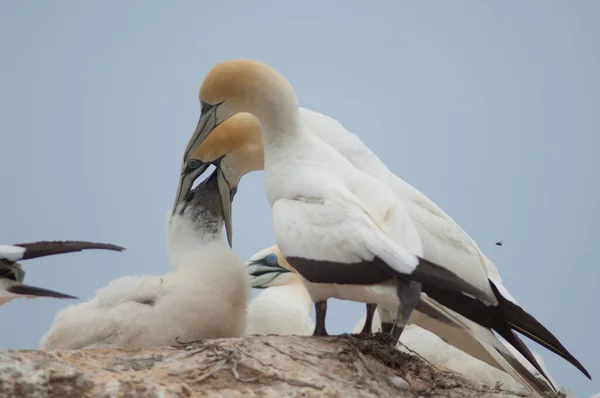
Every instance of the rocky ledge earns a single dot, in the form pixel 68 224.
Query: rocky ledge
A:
pixel 256 366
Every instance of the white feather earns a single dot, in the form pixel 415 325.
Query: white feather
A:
pixel 204 296
pixel 11 253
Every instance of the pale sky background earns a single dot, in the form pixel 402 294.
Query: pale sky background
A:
pixel 489 108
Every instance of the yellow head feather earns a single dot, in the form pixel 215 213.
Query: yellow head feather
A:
pixel 239 139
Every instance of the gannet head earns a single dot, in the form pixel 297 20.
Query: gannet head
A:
pixel 235 147
pixel 239 86
pixel 268 268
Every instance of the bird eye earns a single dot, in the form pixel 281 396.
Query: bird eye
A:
pixel 193 164
pixel 271 260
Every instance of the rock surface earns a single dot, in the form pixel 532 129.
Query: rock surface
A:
pixel 256 366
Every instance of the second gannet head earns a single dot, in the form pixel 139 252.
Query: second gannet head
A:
pixel 268 268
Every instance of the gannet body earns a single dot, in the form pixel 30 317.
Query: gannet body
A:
pixel 283 307
pixel 338 226
pixel 442 239
pixel 204 296
pixel 12 274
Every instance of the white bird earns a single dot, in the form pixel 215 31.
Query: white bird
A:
pixel 204 296
pixel 12 274
pixel 442 238
pixel 446 357
pixel 283 307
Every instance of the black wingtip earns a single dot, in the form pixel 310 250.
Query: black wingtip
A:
pixel 48 248
pixel 524 323
pixel 428 272
pixel 28 290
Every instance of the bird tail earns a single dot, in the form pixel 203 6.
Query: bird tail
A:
pixel 521 321
pixel 28 290
pixel 47 248
pixel 477 341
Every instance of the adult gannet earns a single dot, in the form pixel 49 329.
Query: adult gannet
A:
pixel 334 223
pixel 269 268
pixel 443 240
pixel 12 275
pixel 283 307
pixel 205 295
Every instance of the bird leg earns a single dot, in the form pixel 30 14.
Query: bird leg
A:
pixel 321 310
pixel 386 327
pixel 409 293
pixel 368 328
pixel 387 320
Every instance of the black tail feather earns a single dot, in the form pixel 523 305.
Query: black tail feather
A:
pixel 524 323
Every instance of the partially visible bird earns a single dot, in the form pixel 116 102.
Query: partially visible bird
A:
pixel 12 274
pixel 283 307
pixel 499 243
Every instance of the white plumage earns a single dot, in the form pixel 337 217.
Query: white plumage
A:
pixel 247 86
pixel 205 295
pixel 283 306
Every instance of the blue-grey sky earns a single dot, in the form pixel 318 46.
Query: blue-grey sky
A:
pixel 489 108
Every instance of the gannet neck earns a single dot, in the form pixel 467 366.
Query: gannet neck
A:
pixel 183 233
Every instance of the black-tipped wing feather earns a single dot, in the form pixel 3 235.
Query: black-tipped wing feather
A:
pixel 27 290
pixel 502 319
pixel 47 248
pixel 527 325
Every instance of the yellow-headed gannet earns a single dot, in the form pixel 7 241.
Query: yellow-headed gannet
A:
pixel 205 295
pixel 12 274
pixel 283 307
pixel 443 240
pixel 336 225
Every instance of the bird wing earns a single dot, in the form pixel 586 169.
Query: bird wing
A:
pixel 47 248
pixel 337 242
pixel 477 341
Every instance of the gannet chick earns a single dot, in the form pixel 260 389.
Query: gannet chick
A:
pixel 283 307
pixel 204 296
pixel 12 274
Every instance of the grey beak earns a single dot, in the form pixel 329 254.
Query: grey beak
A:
pixel 186 180
pixel 226 198
pixel 206 124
